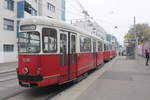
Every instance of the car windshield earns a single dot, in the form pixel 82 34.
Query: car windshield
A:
pixel 29 42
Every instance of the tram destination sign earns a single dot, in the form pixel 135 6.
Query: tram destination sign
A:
pixel 27 27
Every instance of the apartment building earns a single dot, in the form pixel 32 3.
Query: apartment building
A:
pixel 92 27
pixel 12 11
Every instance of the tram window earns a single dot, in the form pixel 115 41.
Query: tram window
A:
pixel 63 43
pixel 63 49
pixel 94 46
pixel 85 44
pixel 29 42
pixel 81 44
pixel 110 47
pixel 88 44
pixel 105 47
pixel 100 46
pixel 49 40
pixel 73 49
pixel 73 44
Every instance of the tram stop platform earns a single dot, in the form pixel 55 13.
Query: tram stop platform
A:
pixel 120 79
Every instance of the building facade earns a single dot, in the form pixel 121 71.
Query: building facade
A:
pixel 12 11
pixel 92 27
pixel 112 39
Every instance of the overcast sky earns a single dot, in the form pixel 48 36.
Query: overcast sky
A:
pixel 111 13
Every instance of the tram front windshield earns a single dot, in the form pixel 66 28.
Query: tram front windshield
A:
pixel 29 42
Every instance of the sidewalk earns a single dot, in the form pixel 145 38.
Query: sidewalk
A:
pixel 123 79
pixel 8 67
pixel 126 80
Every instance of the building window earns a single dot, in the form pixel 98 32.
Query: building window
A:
pixel 8 24
pixel 8 48
pixel 28 8
pixel 9 4
pixel 51 7
pixel 33 12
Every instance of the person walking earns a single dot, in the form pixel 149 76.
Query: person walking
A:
pixel 147 56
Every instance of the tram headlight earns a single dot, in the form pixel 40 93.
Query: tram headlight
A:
pixel 25 70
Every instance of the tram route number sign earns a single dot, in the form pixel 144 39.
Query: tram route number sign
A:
pixel 27 27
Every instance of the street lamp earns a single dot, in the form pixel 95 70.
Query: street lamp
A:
pixel 116 27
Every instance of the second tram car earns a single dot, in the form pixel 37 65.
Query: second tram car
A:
pixel 53 52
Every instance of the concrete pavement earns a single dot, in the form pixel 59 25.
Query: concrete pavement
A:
pixel 121 79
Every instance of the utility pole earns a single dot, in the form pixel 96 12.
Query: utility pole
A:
pixel 136 38
pixel 135 30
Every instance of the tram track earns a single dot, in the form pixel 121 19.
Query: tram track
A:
pixel 5 72
pixel 7 76
pixel 44 93
pixel 58 91
pixel 8 79
pixel 14 94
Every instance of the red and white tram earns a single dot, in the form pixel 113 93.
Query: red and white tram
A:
pixel 113 52
pixel 53 52
pixel 107 51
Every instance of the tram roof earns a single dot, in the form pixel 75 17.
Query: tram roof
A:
pixel 38 20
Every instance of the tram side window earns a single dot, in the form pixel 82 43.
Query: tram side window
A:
pixel 105 47
pixel 73 44
pixel 113 47
pixel 100 46
pixel 63 49
pixel 85 44
pixel 49 40
pixel 110 47
pixel 63 43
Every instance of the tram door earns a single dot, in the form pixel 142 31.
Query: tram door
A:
pixel 63 56
pixel 94 53
pixel 67 56
pixel 72 56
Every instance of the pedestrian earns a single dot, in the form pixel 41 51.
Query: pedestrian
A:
pixel 119 53
pixel 147 56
